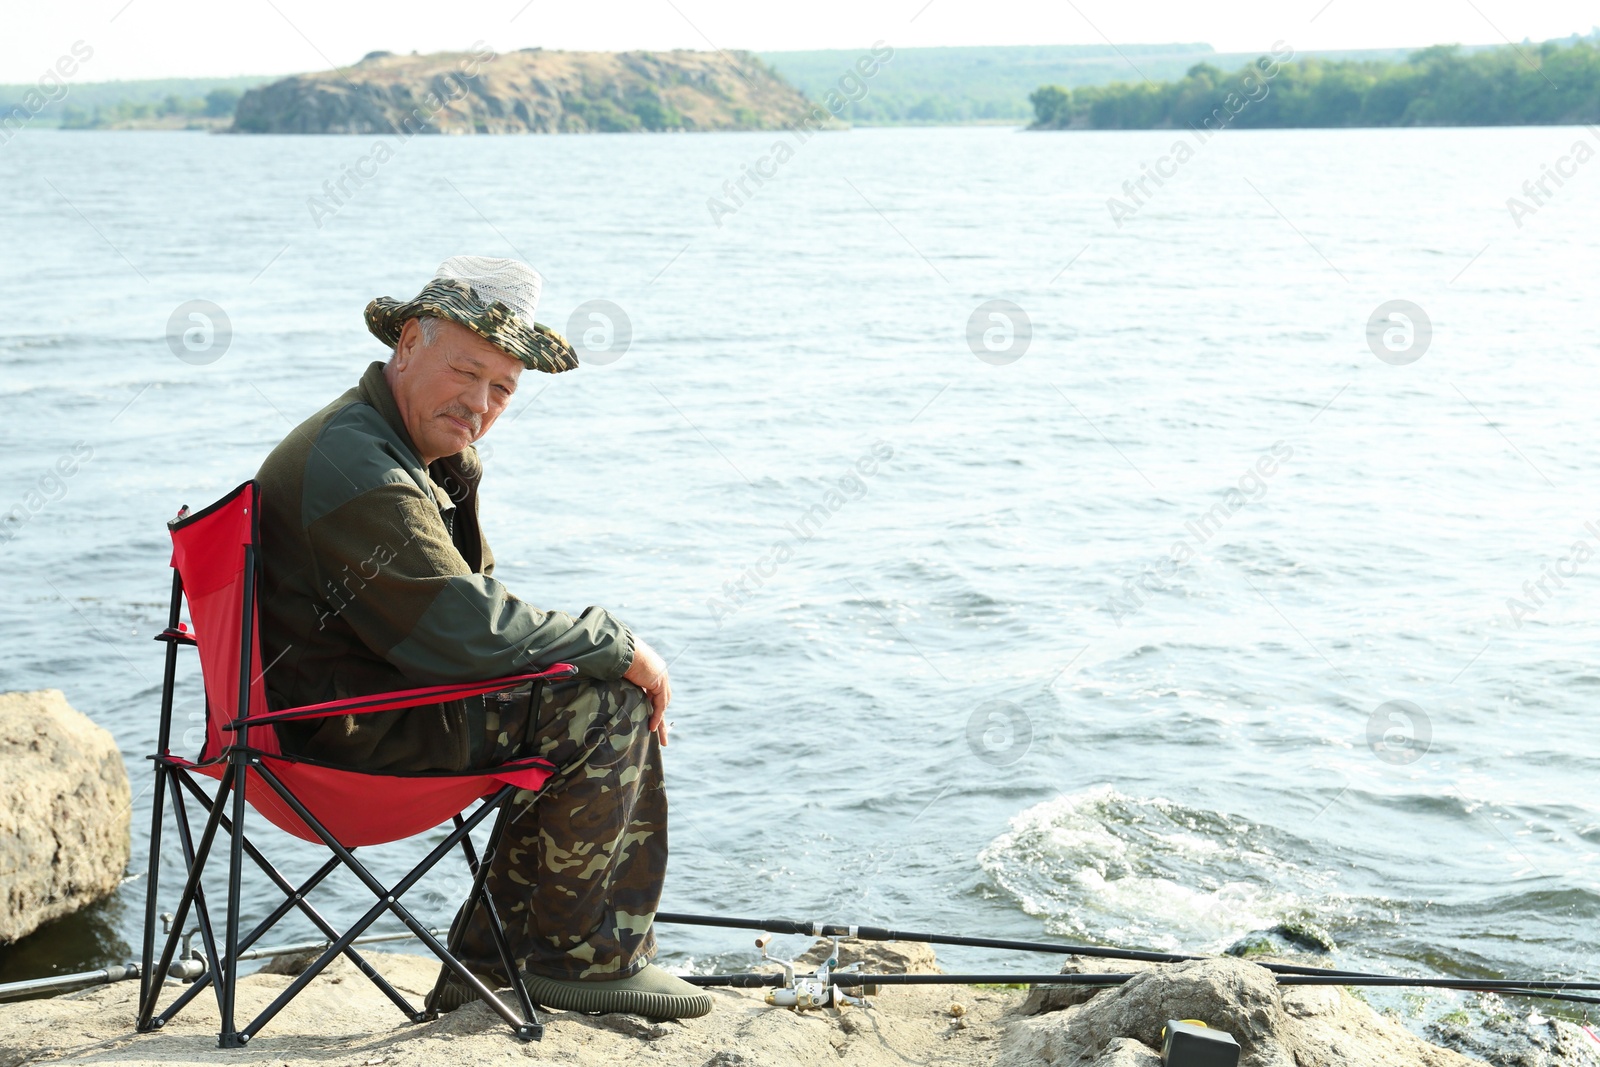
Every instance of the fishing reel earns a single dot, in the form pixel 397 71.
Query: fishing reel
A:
pixel 190 964
pixel 814 991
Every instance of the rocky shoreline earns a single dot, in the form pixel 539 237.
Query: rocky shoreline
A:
pixel 1275 1025
pixel 341 1019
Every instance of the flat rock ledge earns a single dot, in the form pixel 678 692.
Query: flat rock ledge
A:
pixel 1276 1026
pixel 64 811
pixel 342 1021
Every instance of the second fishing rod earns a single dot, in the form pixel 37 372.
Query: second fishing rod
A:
pixel 854 980
pixel 879 933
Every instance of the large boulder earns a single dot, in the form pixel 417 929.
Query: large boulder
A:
pixel 1045 998
pixel 1290 1026
pixel 64 811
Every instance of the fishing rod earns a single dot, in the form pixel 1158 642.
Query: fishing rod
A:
pixel 761 979
pixel 878 933
pixel 847 980
pixel 186 969
pixel 1319 975
pixel 1287 974
pixel 117 972
pixel 826 988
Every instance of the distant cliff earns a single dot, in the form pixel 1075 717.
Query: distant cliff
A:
pixel 529 91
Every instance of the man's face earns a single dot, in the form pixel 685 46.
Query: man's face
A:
pixel 450 392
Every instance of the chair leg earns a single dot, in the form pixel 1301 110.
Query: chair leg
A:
pixel 497 931
pixel 201 913
pixel 190 886
pixel 294 898
pixel 388 900
pixel 199 985
pixel 477 895
pixel 458 924
pixel 458 927
pixel 227 982
pixel 148 981
pixel 180 818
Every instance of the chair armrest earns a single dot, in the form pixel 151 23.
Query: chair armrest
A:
pixel 403 698
pixel 181 635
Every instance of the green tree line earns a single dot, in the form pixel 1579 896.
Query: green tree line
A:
pixel 217 104
pixel 1528 85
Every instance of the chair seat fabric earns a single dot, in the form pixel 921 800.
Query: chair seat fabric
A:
pixel 369 809
pixel 356 807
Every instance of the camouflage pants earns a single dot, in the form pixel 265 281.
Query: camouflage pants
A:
pixel 577 877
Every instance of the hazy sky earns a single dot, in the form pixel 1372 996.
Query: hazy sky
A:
pixel 162 38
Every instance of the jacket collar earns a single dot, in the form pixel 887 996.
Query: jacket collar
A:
pixel 455 478
pixel 374 389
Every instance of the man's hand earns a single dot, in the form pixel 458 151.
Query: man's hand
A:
pixel 649 672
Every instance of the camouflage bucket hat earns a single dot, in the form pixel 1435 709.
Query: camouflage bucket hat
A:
pixel 494 298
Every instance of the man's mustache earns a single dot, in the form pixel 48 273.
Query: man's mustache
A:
pixel 471 418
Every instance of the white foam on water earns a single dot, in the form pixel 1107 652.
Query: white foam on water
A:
pixel 1145 871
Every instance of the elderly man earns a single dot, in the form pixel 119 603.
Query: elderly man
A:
pixel 376 576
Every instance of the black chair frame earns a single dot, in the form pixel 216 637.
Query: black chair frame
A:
pixel 176 778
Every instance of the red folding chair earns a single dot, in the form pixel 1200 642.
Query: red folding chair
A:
pixel 216 568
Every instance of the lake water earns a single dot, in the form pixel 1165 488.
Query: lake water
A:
pixel 926 696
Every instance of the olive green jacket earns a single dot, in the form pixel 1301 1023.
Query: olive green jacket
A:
pixel 376 576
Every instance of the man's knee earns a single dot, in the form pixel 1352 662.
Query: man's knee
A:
pixel 594 722
pixel 589 701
